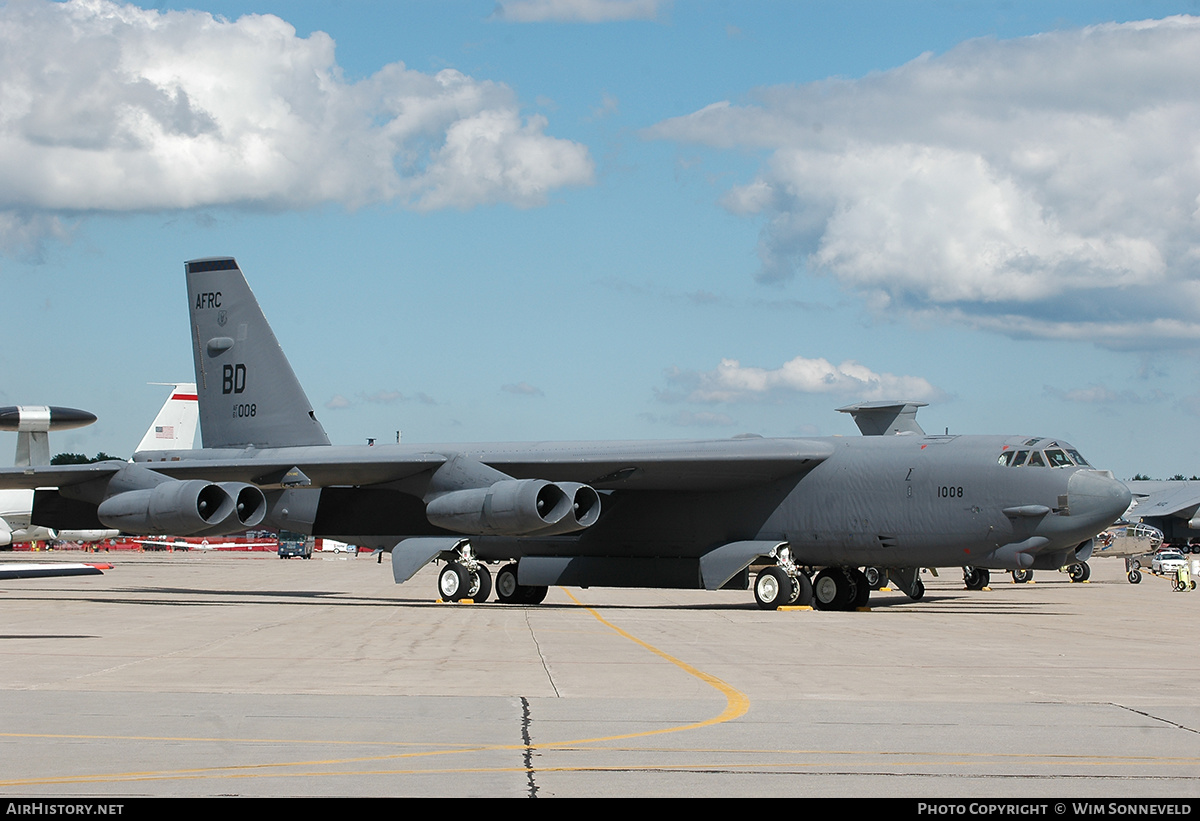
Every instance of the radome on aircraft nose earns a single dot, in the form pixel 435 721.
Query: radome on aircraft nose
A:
pixel 1095 496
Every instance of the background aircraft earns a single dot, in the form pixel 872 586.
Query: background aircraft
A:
pixel 1128 541
pixel 174 427
pixel 1173 507
pixel 631 514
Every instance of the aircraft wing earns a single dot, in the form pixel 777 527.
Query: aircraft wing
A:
pixel 1176 499
pixel 55 475
pixel 670 465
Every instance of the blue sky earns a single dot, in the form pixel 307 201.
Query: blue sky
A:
pixel 577 219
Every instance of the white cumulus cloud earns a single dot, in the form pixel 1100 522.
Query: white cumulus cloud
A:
pixel 733 382
pixel 576 11
pixel 1054 179
pixel 110 107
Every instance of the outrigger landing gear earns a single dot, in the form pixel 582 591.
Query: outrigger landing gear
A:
pixel 782 584
pixel 464 577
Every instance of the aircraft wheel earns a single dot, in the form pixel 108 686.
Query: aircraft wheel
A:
pixel 833 589
pixel 876 577
pixel 804 591
pixel 862 590
pixel 454 582
pixel 1079 572
pixel 483 586
pixel 506 584
pixel 918 592
pixel 773 588
pixel 1135 576
pixel 976 578
pixel 534 595
pixel 1022 576
pixel 509 592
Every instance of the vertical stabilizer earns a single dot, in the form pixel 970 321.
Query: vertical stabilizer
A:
pixel 248 392
pixel 175 426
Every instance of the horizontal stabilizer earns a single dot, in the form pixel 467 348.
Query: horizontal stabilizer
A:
pixel 883 418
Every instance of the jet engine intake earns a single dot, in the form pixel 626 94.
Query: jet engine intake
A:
pixel 516 507
pixel 585 509
pixel 249 505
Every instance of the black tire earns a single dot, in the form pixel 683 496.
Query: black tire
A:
pixel 773 588
pixel 1078 572
pixel 507 589
pixel 976 578
pixel 862 590
pixel 804 591
pixel 484 584
pixel 833 589
pixel 918 592
pixel 454 582
pixel 1022 576
pixel 1135 576
pixel 876 577
pixel 534 595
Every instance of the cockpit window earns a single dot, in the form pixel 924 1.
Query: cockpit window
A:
pixel 1057 459
pixel 1055 456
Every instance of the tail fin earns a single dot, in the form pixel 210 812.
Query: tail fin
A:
pixel 248 392
pixel 175 426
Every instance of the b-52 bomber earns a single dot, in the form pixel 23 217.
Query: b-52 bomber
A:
pixel 671 514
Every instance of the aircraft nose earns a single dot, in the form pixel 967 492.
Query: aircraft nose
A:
pixel 1095 496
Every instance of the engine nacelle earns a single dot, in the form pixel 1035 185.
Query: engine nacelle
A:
pixel 585 510
pixel 180 508
pixel 249 506
pixel 511 507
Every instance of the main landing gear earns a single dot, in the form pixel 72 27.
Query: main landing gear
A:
pixel 464 577
pixel 774 587
pixel 782 584
pixel 833 588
